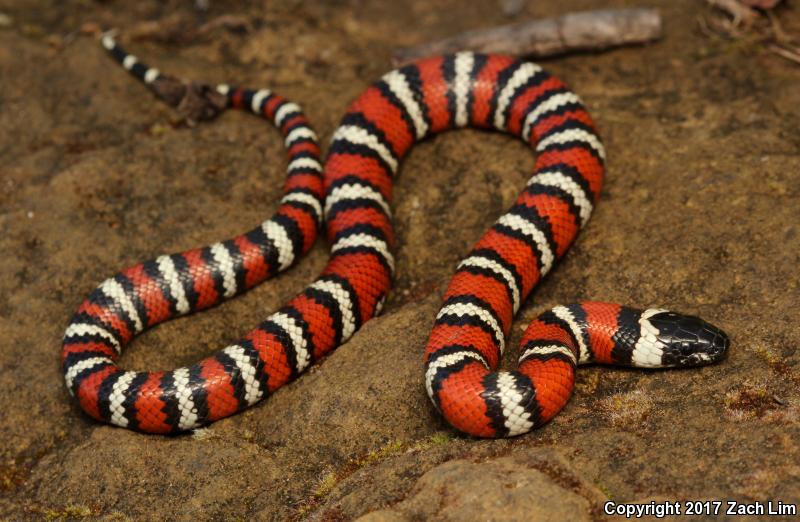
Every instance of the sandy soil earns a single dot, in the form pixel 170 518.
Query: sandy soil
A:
pixel 700 214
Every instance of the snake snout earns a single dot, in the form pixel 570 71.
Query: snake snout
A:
pixel 689 340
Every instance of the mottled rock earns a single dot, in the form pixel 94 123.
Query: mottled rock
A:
pixel 532 485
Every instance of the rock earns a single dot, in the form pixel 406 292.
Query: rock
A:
pixel 530 485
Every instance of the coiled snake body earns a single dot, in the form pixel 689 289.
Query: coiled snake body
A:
pixel 352 193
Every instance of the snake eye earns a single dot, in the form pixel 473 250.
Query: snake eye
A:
pixel 689 340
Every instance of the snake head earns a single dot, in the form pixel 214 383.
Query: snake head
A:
pixel 689 340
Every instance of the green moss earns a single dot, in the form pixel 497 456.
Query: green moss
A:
pixel 329 480
pixel 604 489
pixel 326 485
pixel 767 356
pixel 439 438
pixel 392 448
pixel 70 511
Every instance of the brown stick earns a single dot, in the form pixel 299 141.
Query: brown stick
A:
pixel 785 53
pixel 587 30
pixel 739 12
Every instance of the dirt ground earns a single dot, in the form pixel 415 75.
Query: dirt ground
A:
pixel 700 214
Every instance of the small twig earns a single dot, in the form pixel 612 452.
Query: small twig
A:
pixel 739 12
pixel 179 28
pixel 705 28
pixel 792 55
pixel 770 35
pixel 777 29
pixel 723 27
pixel 716 28
pixel 589 30
pixel 230 22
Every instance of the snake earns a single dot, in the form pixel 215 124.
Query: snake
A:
pixel 351 195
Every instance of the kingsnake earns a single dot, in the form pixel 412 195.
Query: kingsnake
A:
pixel 353 194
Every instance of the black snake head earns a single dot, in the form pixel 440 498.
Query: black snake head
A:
pixel 689 340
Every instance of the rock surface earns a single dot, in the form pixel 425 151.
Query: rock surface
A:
pixel 529 485
pixel 700 214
